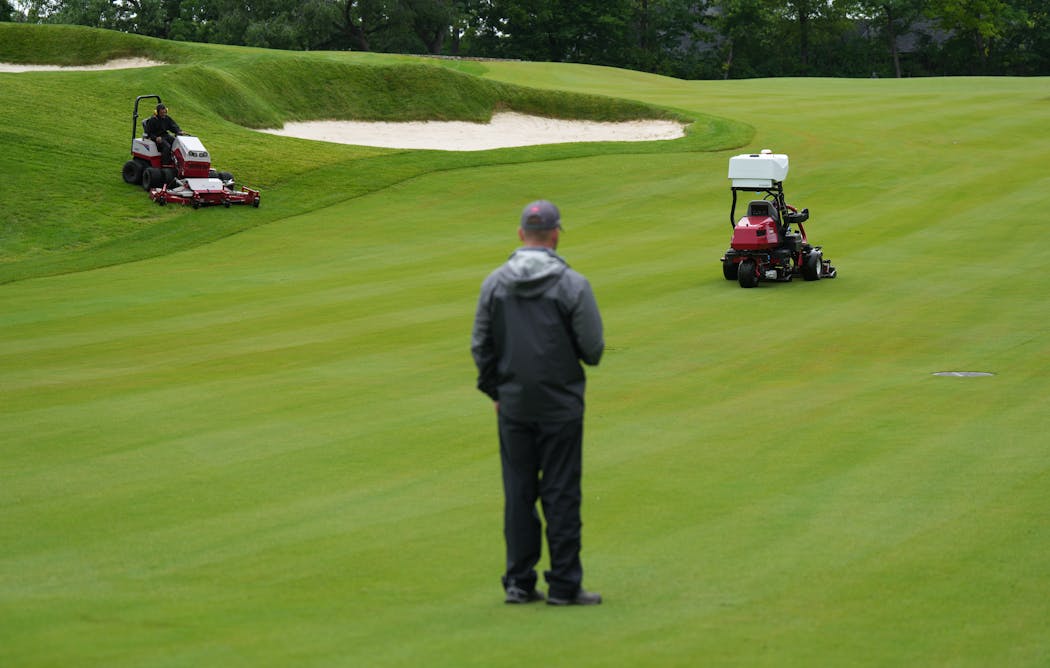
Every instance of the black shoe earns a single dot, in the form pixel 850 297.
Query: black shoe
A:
pixel 581 598
pixel 519 595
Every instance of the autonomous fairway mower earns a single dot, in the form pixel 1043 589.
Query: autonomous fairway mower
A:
pixel 769 243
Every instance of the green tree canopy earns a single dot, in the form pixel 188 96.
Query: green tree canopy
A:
pixel 683 38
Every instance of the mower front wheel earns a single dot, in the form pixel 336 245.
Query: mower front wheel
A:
pixel 168 174
pixel 747 274
pixel 729 269
pixel 811 267
pixel 151 177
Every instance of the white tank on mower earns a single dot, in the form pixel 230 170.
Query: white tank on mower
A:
pixel 758 170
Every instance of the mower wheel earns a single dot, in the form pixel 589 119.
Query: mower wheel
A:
pixel 811 267
pixel 169 174
pixel 747 274
pixel 150 178
pixel 729 269
pixel 132 172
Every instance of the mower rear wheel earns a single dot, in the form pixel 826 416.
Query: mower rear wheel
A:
pixel 811 267
pixel 747 274
pixel 132 172
pixel 729 269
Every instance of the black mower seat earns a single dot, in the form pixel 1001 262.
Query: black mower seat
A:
pixel 761 207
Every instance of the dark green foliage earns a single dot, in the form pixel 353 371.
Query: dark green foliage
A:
pixel 682 38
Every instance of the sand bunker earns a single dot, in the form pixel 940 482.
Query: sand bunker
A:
pixel 118 64
pixel 505 130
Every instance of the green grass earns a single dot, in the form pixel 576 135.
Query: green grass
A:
pixel 260 444
pixel 67 134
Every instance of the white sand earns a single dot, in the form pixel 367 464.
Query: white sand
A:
pixel 118 64
pixel 505 130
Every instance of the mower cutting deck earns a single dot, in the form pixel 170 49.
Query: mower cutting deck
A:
pixel 764 244
pixel 188 179
pixel 203 192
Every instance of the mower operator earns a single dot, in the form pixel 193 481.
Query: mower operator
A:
pixel 162 129
pixel 536 320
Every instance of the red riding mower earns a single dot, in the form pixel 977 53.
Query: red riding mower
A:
pixel 188 178
pixel 764 245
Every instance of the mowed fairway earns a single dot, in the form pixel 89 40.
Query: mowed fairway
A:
pixel 268 450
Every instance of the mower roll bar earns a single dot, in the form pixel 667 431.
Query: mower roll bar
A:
pixel 135 117
pixel 776 191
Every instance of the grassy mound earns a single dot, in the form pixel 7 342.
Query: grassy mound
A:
pixel 65 136
pixel 77 45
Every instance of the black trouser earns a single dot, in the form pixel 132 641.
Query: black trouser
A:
pixel 165 149
pixel 542 461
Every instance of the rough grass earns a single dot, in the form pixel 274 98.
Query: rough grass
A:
pixel 267 450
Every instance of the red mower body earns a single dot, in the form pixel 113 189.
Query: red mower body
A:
pixel 191 158
pixel 757 231
pixel 145 152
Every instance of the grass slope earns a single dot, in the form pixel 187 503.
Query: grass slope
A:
pixel 267 450
pixel 65 136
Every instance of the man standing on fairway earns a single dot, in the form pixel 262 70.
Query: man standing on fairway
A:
pixel 537 319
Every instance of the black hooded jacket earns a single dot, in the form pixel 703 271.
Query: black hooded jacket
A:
pixel 536 320
pixel 157 126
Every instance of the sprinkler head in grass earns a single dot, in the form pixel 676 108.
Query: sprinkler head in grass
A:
pixel 964 374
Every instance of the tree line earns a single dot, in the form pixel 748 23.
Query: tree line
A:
pixel 681 38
